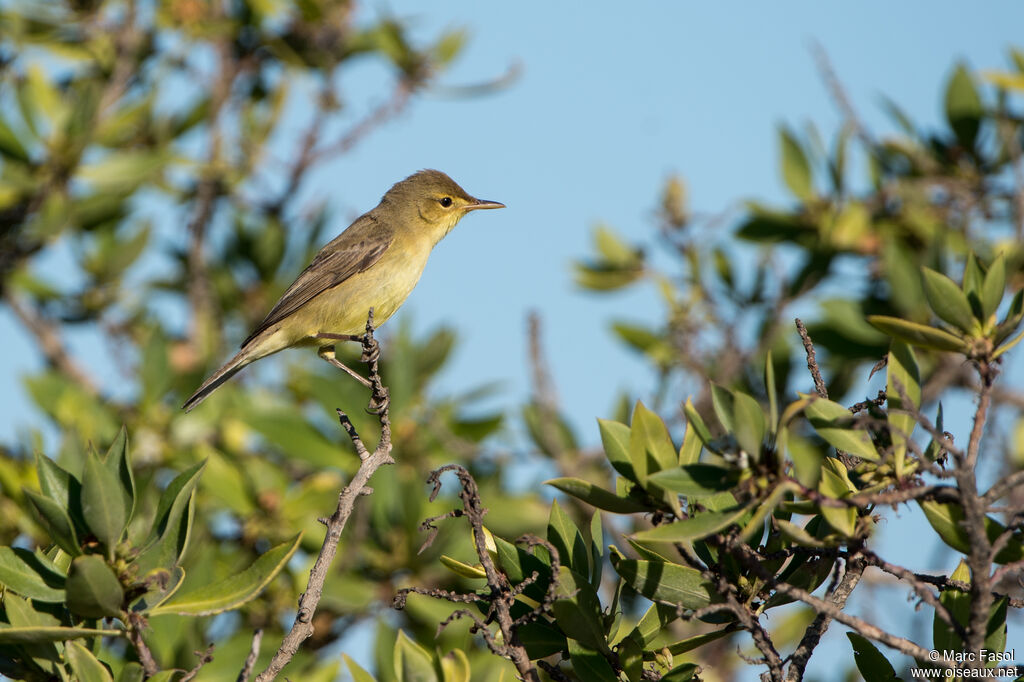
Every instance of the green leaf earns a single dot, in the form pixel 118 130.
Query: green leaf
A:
pixel 653 623
pixel 993 288
pixel 172 523
pixel 902 374
pixel 695 422
pixel 465 570
pixel 833 422
pixel 1013 317
pixel 836 484
pixel 10 145
pixel 806 456
pixel 650 447
pixel 689 451
pixel 103 503
pixel 118 462
pixel 1008 345
pixel 606 277
pixel 48 633
pixel 596 550
pixel 93 589
pixel 589 664
pixel 958 603
pixel 947 300
pixel 995 630
pixel 85 666
pixel 568 540
pixel 684 672
pixel 455 666
pixel 687 645
pixel 947 519
pixel 723 401
pixel 696 527
pixel 631 658
pixel 60 486
pixel 796 170
pixel 974 281
pixel 870 662
pixel 412 662
pixel 596 496
pixel 748 423
pixel 614 249
pixel 918 334
pixel 231 592
pixel 696 480
pixel 131 672
pixel 55 520
pixel 24 573
pixel 666 582
pixel 542 640
pixel 963 106
pixel 615 439
pixel 164 676
pixel 578 611
pixel 123 170
pixel 356 671
pixel 549 431
pixel 772 391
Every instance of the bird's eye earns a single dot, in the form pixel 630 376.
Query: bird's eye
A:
pixel 446 201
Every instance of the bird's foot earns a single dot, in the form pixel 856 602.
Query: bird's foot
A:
pixel 327 353
pixel 371 351
pixel 379 402
pixel 337 337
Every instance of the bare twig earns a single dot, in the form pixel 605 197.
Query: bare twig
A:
pixel 250 660
pixel 827 611
pixel 819 384
pixel 146 659
pixel 47 334
pixel 302 628
pixel 501 594
pixel 812 362
pixel 208 190
pixel 979 559
pixel 920 587
pixel 839 96
pixel 204 658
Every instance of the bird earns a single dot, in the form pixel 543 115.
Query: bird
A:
pixel 375 263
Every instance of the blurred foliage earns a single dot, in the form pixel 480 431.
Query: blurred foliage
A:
pixel 143 197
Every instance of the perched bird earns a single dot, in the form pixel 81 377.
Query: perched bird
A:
pixel 375 263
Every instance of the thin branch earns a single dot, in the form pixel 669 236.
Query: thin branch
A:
pixel 302 628
pixel 920 587
pixel 979 559
pixel 839 96
pixel 148 664
pixel 827 610
pixel 47 335
pixel 501 594
pixel 812 362
pixel 250 660
pixel 204 658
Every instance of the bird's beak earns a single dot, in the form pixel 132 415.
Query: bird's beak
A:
pixel 482 203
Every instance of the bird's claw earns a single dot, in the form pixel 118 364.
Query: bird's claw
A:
pixel 371 351
pixel 379 403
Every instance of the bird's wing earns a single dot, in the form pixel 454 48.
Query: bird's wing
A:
pixel 351 252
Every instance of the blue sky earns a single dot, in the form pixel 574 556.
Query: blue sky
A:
pixel 610 101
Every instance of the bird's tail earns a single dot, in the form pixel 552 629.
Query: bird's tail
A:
pixel 230 368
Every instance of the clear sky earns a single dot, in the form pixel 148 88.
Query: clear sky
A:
pixel 612 98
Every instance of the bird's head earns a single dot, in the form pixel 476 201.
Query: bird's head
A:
pixel 430 200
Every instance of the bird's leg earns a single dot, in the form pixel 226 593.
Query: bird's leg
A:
pixel 379 400
pixel 338 337
pixel 327 353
